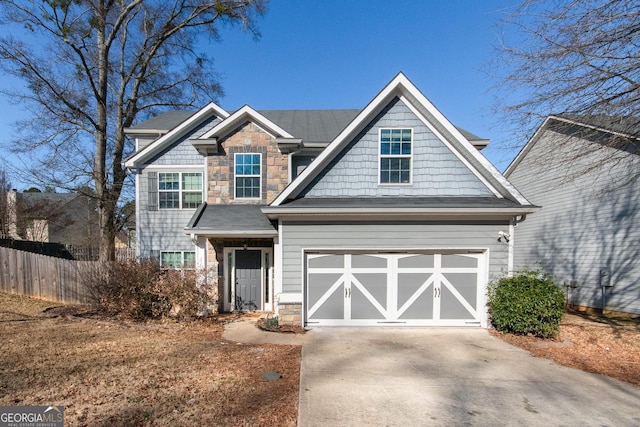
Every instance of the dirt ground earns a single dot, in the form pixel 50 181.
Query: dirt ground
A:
pixel 112 372
pixel 606 345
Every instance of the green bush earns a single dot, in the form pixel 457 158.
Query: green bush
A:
pixel 529 302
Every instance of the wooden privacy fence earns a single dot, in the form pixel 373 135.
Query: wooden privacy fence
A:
pixel 42 276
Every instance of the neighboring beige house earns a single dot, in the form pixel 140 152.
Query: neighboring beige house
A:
pixel 66 218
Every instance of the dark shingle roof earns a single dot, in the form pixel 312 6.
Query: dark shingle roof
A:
pixel 627 125
pixel 223 219
pixel 309 125
pixel 165 121
pixel 312 125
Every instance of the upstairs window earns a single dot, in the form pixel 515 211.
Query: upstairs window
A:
pixel 395 156
pixel 179 190
pixel 248 174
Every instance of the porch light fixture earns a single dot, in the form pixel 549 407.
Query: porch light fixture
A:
pixel 245 246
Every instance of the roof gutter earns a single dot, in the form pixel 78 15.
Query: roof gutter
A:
pixel 386 212
pixel 245 234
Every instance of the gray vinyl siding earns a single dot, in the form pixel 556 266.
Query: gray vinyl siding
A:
pixel 436 171
pixel 587 222
pixel 297 236
pixel 161 229
pixel 182 152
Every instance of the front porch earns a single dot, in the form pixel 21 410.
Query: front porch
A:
pixel 235 246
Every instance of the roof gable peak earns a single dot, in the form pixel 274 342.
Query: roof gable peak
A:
pixel 206 112
pixel 401 87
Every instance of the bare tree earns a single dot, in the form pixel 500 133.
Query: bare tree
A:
pixel 576 59
pixel 5 204
pixel 91 67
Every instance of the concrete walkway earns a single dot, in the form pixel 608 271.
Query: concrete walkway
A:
pixel 441 377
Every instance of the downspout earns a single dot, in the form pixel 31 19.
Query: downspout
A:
pixel 513 223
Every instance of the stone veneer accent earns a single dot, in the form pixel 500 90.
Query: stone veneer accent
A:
pixel 249 138
pixel 290 313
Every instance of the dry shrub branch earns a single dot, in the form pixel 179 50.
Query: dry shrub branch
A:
pixel 141 290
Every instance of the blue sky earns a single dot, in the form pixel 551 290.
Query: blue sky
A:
pixel 340 54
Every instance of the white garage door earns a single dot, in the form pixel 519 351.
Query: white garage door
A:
pixel 415 289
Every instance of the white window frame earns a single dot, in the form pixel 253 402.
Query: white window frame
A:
pixel 180 189
pixel 182 263
pixel 236 176
pixel 395 156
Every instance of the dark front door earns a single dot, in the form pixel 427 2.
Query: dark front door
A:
pixel 248 280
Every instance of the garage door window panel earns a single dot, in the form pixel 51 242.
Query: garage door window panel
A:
pixel 416 261
pixel 458 261
pixel 368 261
pixel 326 261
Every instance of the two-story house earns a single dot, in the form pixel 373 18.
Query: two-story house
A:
pixel 388 215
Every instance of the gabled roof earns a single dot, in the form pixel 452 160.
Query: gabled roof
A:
pixel 240 117
pixel 404 89
pixel 627 128
pixel 205 113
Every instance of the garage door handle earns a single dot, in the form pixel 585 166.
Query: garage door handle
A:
pixel 347 292
pixel 436 292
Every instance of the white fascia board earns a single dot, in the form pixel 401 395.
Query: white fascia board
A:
pixel 484 162
pixel 336 145
pixel 454 150
pixel 207 111
pixel 368 212
pixel 243 114
pixel 150 132
pixel 204 232
pixel 527 147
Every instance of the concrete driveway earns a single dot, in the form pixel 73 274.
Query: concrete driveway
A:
pixel 442 377
pixel 448 377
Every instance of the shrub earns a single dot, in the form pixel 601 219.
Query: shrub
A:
pixel 141 290
pixel 527 303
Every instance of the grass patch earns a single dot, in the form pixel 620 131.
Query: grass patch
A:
pixel 107 372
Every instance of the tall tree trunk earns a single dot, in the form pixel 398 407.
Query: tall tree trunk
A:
pixel 106 215
pixel 106 210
